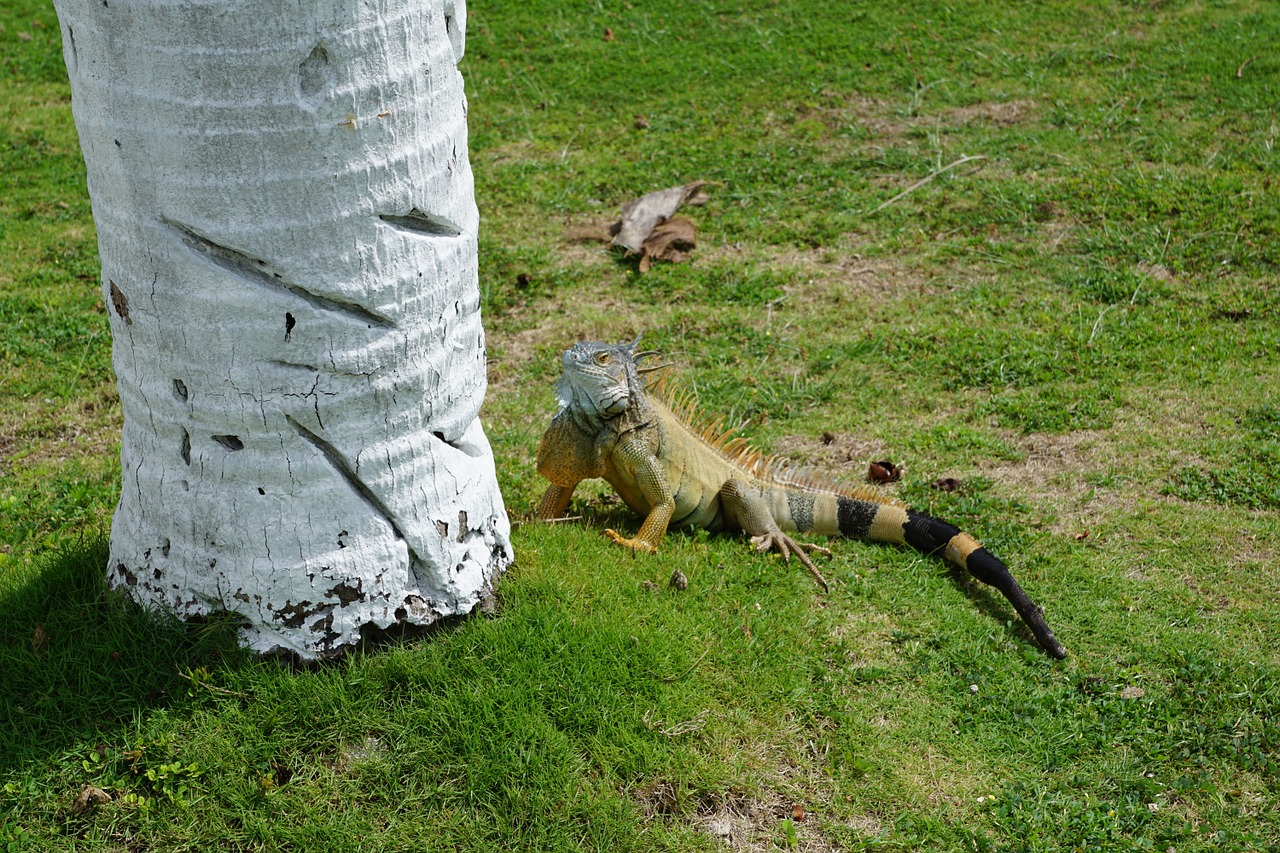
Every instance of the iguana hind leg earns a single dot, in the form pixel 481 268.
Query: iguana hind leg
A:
pixel 749 512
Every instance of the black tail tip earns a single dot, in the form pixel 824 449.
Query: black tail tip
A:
pixel 988 568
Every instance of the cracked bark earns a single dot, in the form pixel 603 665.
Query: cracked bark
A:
pixel 288 240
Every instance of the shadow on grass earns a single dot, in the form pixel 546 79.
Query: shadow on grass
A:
pixel 991 603
pixel 78 659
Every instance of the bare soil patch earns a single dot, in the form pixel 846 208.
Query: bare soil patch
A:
pixel 90 427
pixel 1055 461
pixel 887 120
pixel 751 824
pixel 598 314
pixel 1004 114
pixel 840 266
pixel 758 825
pixel 844 457
pixel 1054 471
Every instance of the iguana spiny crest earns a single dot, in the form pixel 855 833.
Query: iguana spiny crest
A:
pixel 674 466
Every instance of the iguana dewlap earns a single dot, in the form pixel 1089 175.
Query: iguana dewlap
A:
pixel 675 471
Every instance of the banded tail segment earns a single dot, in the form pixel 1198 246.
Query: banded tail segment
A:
pixel 931 536
pixel 879 521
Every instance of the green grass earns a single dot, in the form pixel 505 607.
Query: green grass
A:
pixel 1082 329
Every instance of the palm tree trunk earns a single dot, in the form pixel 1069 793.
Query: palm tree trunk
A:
pixel 287 228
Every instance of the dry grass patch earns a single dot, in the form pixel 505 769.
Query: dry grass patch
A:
pixel 819 272
pixel 766 823
pixel 1002 114
pixel 58 432
pixel 595 314
pixel 841 456
pixel 1054 469
pixel 767 820
pixel 888 120
pixel 867 637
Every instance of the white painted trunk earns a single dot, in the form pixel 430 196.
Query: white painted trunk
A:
pixel 287 227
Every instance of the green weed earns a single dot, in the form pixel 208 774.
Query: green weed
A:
pixel 1249 476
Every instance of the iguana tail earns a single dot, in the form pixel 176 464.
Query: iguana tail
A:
pixel 931 536
pixel 878 520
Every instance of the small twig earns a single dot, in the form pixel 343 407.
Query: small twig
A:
pixel 675 730
pixel 674 678
pixel 1243 66
pixel 926 179
pixel 560 519
pixel 212 687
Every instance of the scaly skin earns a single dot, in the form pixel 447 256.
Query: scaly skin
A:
pixel 647 446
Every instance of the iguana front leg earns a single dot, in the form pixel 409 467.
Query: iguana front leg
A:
pixel 637 462
pixel 750 513
pixel 555 500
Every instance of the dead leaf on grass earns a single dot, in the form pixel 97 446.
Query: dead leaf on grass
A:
pixel 670 241
pixel 884 471
pixel 39 641
pixel 641 230
pixel 89 797
pixel 946 484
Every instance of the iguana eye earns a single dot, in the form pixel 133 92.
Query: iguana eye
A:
pixel 603 358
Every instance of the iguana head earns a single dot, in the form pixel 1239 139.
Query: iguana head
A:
pixel 599 379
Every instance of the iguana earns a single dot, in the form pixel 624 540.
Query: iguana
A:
pixel 678 468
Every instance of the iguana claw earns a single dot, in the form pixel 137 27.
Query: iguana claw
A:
pixel 633 544
pixel 786 546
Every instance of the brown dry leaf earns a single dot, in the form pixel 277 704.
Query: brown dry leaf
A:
pixel 39 641
pixel 640 216
pixel 89 797
pixel 946 484
pixel 608 34
pixel 797 813
pixel 671 240
pixel 884 471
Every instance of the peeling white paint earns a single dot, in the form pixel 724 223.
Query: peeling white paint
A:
pixel 288 236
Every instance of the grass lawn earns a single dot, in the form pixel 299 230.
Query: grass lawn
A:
pixel 1080 324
